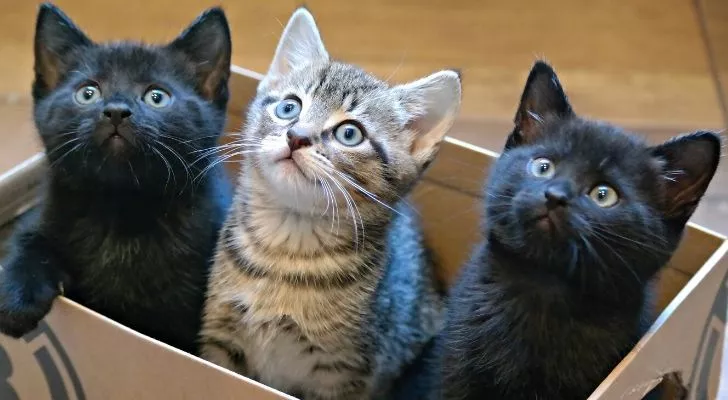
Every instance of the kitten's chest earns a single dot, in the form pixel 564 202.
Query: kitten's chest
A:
pixel 286 344
pixel 545 346
pixel 324 315
pixel 142 267
pixel 278 354
pixel 101 247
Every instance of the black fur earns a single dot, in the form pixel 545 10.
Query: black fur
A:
pixel 124 226
pixel 546 308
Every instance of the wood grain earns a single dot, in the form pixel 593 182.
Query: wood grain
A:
pixel 714 16
pixel 640 61
pixel 641 64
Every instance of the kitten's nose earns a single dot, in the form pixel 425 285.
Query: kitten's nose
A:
pixel 556 196
pixel 117 113
pixel 297 139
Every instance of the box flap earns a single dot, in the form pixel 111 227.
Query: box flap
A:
pixel 686 339
pixel 77 354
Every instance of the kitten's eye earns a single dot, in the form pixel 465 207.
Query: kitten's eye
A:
pixel 542 168
pixel 605 196
pixel 349 134
pixel 87 95
pixel 157 98
pixel 288 109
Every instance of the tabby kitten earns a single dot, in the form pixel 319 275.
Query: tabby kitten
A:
pixel 579 218
pixel 321 285
pixel 124 227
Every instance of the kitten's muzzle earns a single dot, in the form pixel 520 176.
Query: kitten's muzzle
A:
pixel 116 113
pixel 114 125
pixel 297 139
pixel 556 197
pixel 553 214
pixel 549 220
pixel 113 131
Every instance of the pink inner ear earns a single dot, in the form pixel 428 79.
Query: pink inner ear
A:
pixel 48 68
pixel 216 75
pixel 529 125
pixel 688 165
pixel 429 130
pixel 422 145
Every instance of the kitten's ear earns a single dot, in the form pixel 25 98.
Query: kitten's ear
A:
pixel 543 98
pixel 432 103
pixel 688 164
pixel 300 44
pixel 56 40
pixel 206 43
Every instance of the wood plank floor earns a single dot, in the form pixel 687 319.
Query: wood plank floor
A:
pixel 643 64
pixel 714 15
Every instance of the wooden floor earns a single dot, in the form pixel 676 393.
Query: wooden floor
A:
pixel 657 67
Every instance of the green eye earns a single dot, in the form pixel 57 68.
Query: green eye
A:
pixel 288 109
pixel 604 195
pixel 542 168
pixel 349 134
pixel 157 98
pixel 87 95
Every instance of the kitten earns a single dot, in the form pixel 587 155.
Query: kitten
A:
pixel 579 218
pixel 321 285
pixel 124 228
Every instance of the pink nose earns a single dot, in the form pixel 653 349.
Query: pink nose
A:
pixel 297 139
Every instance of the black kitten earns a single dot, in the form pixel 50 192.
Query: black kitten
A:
pixel 125 227
pixel 579 218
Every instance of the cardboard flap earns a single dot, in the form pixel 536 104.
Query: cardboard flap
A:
pixel 723 385
pixel 78 354
pixel 20 186
pixel 686 339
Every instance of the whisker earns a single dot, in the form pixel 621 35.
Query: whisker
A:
pixel 62 145
pixel 616 253
pixel 223 149
pixel 74 148
pixel 329 191
pixel 136 179
pixel 181 160
pixel 231 144
pixel 218 161
pixel 351 207
pixel 178 140
pixel 366 192
pixel 607 233
pixel 170 172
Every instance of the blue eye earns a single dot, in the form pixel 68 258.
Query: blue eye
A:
pixel 604 195
pixel 157 98
pixel 87 95
pixel 288 109
pixel 542 168
pixel 349 134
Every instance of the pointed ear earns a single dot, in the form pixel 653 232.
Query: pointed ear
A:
pixel 206 43
pixel 688 165
pixel 56 40
pixel 432 103
pixel 543 99
pixel 300 44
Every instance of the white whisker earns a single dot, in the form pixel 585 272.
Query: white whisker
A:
pixel 367 193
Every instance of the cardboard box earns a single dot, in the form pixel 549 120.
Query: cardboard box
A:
pixel 77 354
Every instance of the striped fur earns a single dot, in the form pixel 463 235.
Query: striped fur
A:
pixel 321 285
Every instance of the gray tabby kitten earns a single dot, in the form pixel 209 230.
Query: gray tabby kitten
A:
pixel 322 287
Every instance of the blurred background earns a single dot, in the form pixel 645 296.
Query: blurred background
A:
pixel 655 67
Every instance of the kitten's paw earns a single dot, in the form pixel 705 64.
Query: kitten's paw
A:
pixel 24 304
pixel 224 355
